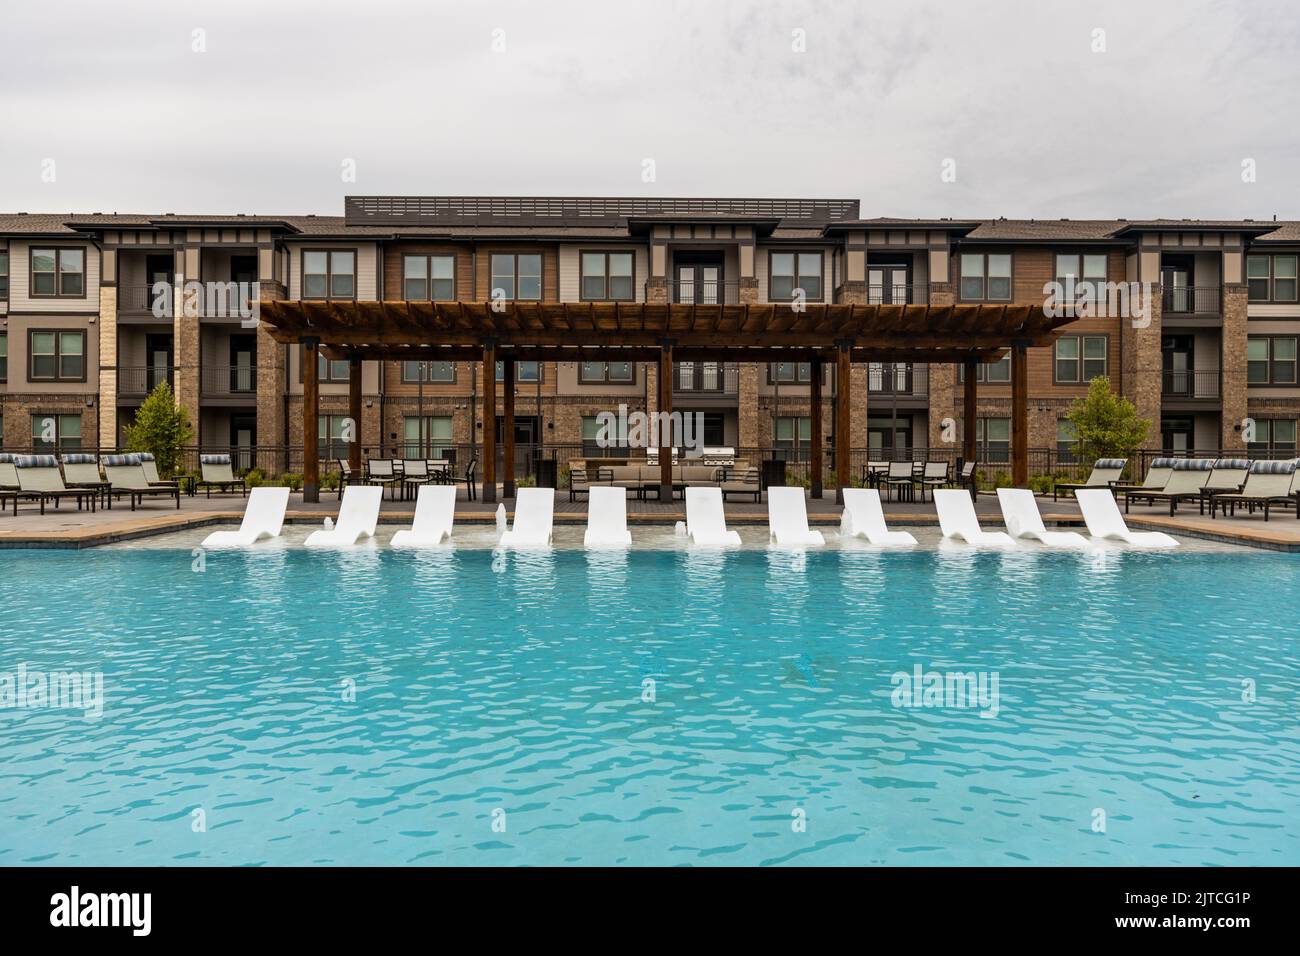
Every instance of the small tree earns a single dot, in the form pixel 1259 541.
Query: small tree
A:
pixel 1106 424
pixel 161 428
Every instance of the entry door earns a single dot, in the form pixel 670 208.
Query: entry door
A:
pixel 157 268
pixel 887 284
pixel 1176 278
pixel 1178 368
pixel 158 349
pixel 1176 434
pixel 525 441
pixel 883 440
pixel 243 270
pixel 243 363
pixel 700 283
pixel 243 436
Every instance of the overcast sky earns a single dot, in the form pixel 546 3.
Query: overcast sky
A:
pixel 712 91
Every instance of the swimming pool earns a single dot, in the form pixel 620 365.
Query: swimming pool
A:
pixel 657 707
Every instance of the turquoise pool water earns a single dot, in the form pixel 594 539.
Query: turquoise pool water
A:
pixel 502 713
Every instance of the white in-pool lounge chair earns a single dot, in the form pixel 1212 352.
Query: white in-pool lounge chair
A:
pixel 957 519
pixel 706 522
pixel 1104 521
pixel 1021 516
pixel 787 519
pixel 534 515
pixel 607 518
pixel 435 511
pixel 358 516
pixel 263 518
pixel 864 518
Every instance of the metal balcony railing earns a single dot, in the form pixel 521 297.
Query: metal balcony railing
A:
pixel 1191 300
pixel 140 300
pixel 898 379
pixel 228 379
pixel 1194 384
pixel 705 293
pixel 916 293
pixel 143 379
pixel 715 378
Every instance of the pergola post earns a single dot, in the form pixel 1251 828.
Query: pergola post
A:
pixel 969 410
pixel 843 403
pixel 665 420
pixel 1019 416
pixel 354 413
pixel 815 425
pixel 508 427
pixel 490 421
pixel 310 418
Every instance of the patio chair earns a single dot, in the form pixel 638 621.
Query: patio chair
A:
pixel 1229 475
pixel 1105 472
pixel 1023 520
pixel 125 474
pixel 900 478
pixel 873 471
pixel 787 519
pixel 435 513
pixel 706 522
pixel 471 489
pixel 934 474
pixel 743 481
pixel 1157 476
pixel 383 472
pixel 1269 483
pixel 9 487
pixel 415 473
pixel 1105 523
pixel 39 480
pixel 346 476
pixel 358 517
pixel 607 518
pixel 82 471
pixel 864 518
pixel 150 466
pixel 215 472
pixel 578 484
pixel 534 518
pixel 1186 482
pixel 968 480
pixel 263 518
pixel 957 519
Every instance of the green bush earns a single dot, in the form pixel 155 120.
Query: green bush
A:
pixel 293 481
pixel 329 481
pixel 160 428
pixel 254 478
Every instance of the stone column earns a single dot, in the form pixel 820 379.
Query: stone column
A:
pixel 1142 365
pixel 853 292
pixel 1232 363
pixel 271 383
pixel 107 363
pixel 185 339
pixel 747 412
pixel 943 382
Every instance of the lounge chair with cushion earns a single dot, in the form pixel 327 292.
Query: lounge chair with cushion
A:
pixel 9 487
pixel 215 472
pixel 864 518
pixel 957 520
pixel 1023 520
pixel 126 476
pixel 1105 472
pixel 39 480
pixel 1157 476
pixel 706 522
pixel 150 467
pixel 1229 475
pixel 435 512
pixel 1102 516
pixel 358 517
pixel 1186 483
pixel 607 518
pixel 1269 483
pixel 82 471
pixel 744 481
pixel 787 519
pixel 263 518
pixel 534 519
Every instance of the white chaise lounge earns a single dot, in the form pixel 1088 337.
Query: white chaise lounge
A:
pixel 534 514
pixel 263 518
pixel 358 516
pixel 787 519
pixel 607 518
pixel 435 511
pixel 864 518
pixel 1023 520
pixel 1102 516
pixel 957 519
pixel 706 523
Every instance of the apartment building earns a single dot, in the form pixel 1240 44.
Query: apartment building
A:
pixel 85 334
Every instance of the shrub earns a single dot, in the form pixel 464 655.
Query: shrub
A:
pixel 293 481
pixel 161 428
pixel 1107 425
pixel 254 478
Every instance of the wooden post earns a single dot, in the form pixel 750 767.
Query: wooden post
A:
pixel 969 405
pixel 665 421
pixel 815 425
pixel 489 421
pixel 310 419
pixel 508 427
pixel 354 413
pixel 843 429
pixel 1019 416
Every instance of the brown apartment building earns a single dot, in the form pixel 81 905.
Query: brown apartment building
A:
pixel 84 337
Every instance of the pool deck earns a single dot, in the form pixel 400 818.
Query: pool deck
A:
pixel 67 527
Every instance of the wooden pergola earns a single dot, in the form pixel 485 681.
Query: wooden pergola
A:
pixel 661 333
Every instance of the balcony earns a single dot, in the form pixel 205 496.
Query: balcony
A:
pixel 137 381
pixel 1191 301
pixel 139 301
pixel 705 382
pixel 1195 387
pixel 719 292
pixel 915 293
pixel 219 300
pixel 228 381
pixel 902 382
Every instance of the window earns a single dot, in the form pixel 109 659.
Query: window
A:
pixel 1274 435
pixel 795 270
pixel 517 277
pixel 986 276
pixel 791 432
pixel 441 372
pixel 792 373
pixel 4 274
pixel 1271 360
pixel 329 275
pixel 56 433
pixel 1079 358
pixel 601 373
pixel 429 278
pixel 1067 440
pixel 330 433
pixel 327 370
pixel 524 372
pixel 437 436
pixel 57 356
pixel 995 373
pixel 1093 272
pixel 993 439
pixel 1271 278
pixel 58 273
pixel 4 356
pixel 607 276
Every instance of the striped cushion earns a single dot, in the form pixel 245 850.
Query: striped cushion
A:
pixel 1163 462
pixel 7 456
pixel 1273 468
pixel 78 459
pixel 1109 463
pixel 214 459
pixel 144 455
pixel 1193 464
pixel 36 461
pixel 121 461
pixel 1232 464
